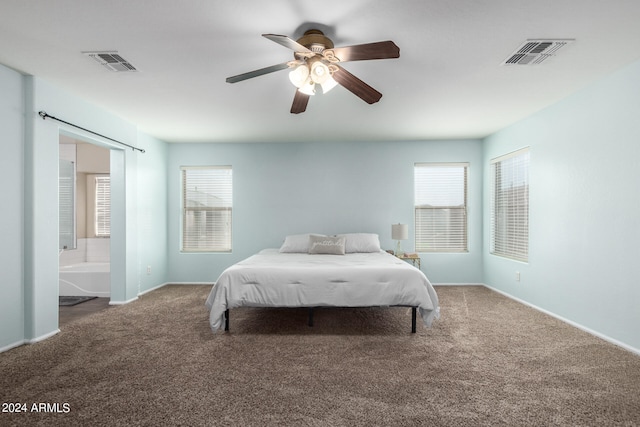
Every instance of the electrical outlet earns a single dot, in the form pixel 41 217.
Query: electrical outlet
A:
pixel 148 269
pixel 517 276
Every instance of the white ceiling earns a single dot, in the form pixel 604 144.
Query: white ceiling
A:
pixel 447 83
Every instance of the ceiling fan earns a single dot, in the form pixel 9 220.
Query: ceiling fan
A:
pixel 317 62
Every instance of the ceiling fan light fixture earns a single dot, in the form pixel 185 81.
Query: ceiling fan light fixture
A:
pixel 319 72
pixel 315 66
pixel 308 88
pixel 328 84
pixel 299 75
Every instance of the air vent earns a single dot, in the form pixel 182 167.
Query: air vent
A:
pixel 533 52
pixel 112 61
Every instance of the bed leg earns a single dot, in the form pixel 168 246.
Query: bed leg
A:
pixel 226 319
pixel 310 323
pixel 413 319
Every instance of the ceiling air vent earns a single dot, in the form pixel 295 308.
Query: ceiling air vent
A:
pixel 534 52
pixel 112 61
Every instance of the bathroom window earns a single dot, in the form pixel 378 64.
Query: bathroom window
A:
pixel 67 204
pixel 103 206
pixel 207 202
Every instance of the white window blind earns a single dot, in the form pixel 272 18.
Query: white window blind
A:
pixel 66 204
pixel 440 207
pixel 510 205
pixel 103 206
pixel 207 207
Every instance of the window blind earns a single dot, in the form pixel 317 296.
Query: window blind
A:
pixel 66 204
pixel 440 207
pixel 510 205
pixel 103 206
pixel 207 201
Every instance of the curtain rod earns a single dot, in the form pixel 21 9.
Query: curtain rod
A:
pixel 44 116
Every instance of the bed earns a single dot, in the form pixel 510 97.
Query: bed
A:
pixel 315 271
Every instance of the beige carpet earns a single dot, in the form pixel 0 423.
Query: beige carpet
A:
pixel 488 361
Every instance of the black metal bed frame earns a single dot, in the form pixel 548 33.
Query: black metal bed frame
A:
pixel 311 309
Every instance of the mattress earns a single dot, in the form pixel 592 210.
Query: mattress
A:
pixel 274 279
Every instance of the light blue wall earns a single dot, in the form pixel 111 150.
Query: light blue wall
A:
pixel 130 170
pixel 152 212
pixel 40 217
pixel 11 223
pixel 30 151
pixel 584 204
pixel 290 188
pixel 584 262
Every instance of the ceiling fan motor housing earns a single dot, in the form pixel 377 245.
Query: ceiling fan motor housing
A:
pixel 316 41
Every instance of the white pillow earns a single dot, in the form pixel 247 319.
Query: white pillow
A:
pixel 361 242
pixel 297 243
pixel 326 245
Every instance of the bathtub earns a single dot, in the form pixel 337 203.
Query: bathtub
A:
pixel 85 279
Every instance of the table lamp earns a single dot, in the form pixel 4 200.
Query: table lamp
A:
pixel 399 232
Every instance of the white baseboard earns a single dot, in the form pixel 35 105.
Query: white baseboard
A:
pixel 570 322
pixel 42 337
pixel 12 345
pixel 458 284
pixel 191 283
pixel 122 302
pixel 152 289
pixel 155 288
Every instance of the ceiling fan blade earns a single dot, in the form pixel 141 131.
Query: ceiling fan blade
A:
pixel 287 42
pixel 361 52
pixel 300 101
pixel 256 73
pixel 356 86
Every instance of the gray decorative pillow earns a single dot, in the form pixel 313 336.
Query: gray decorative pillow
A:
pixel 326 245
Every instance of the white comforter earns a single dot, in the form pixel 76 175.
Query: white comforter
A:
pixel 274 279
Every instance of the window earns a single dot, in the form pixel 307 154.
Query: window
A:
pixel 441 207
pixel 66 204
pixel 103 206
pixel 206 209
pixel 510 205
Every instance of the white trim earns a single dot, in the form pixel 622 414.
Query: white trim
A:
pixel 12 345
pixel 570 322
pixel 42 337
pixel 152 289
pixel 122 302
pixel 458 284
pixel 192 283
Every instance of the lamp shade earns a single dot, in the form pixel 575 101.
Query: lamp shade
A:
pixel 299 75
pixel 319 72
pixel 308 88
pixel 328 85
pixel 399 231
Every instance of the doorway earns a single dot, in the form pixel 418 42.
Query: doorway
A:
pixel 85 237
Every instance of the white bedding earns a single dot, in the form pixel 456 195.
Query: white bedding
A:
pixel 274 279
